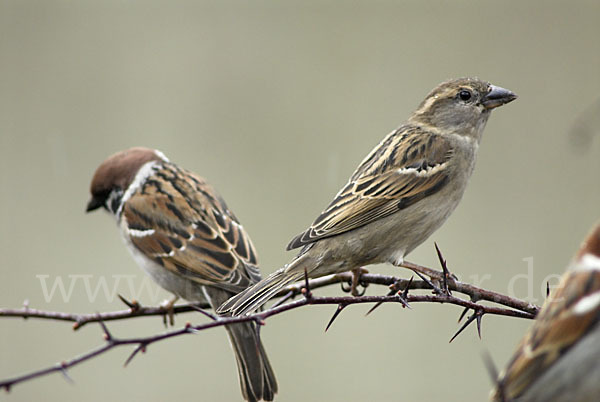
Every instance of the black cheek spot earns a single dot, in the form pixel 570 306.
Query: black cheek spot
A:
pixel 114 205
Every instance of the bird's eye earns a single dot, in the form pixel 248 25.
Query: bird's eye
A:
pixel 464 95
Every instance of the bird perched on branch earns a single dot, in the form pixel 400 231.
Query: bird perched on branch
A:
pixel 558 360
pixel 181 232
pixel 398 196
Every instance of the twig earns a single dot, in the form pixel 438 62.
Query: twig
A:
pixel 289 292
pixel 143 343
pixel 399 294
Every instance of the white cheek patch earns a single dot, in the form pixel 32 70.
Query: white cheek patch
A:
pixel 587 304
pixel 161 155
pixel 145 171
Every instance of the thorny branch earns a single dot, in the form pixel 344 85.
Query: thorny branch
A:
pixel 443 283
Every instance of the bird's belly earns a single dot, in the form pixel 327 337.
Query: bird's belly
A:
pixel 388 239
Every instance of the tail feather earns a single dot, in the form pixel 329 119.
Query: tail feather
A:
pixel 257 378
pixel 255 296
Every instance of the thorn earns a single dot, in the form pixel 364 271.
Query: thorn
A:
pixel 63 371
pixel 405 291
pixel 202 311
pixel 446 274
pixel 403 301
pixel 289 295
pixel 140 348
pixel 393 289
pixel 462 315
pixel 402 297
pixel 378 304
pixel 107 335
pixel 465 325
pixel 307 292
pixel 190 329
pixel 373 308
pixel 133 305
pixel 339 309
pixel 427 281
pixel 475 316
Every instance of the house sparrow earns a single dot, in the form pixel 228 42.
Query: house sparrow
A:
pixel 559 357
pixel 181 233
pixel 398 196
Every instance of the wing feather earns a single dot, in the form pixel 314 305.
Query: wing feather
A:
pixel 406 167
pixel 555 331
pixel 181 223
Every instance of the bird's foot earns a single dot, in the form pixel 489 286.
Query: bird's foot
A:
pixel 168 307
pixel 356 282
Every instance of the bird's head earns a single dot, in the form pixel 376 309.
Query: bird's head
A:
pixel 116 174
pixel 461 106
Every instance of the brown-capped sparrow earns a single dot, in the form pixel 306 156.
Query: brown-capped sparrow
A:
pixel 398 196
pixel 182 234
pixel 558 360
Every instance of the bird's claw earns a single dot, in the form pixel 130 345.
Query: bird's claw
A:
pixel 169 308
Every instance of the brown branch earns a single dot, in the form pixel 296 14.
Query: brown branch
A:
pixel 289 292
pixel 399 294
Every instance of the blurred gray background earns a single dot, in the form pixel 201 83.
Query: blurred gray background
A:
pixel 276 103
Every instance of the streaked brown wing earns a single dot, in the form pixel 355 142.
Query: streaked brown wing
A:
pixel 403 169
pixel 181 223
pixel 556 329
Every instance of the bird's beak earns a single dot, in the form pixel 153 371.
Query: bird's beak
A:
pixel 93 204
pixel 497 97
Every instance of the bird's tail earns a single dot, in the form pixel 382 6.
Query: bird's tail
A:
pixel 257 378
pixel 255 296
